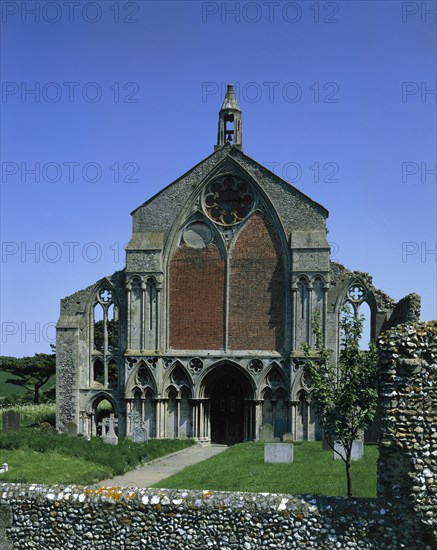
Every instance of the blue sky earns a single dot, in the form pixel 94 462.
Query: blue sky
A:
pixel 336 98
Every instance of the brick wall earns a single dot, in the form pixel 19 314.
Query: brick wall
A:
pixel 257 289
pixel 197 282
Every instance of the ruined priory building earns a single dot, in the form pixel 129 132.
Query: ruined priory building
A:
pixel 200 335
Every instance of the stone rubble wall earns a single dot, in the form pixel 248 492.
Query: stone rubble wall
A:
pixel 407 310
pixel 407 467
pixel 107 518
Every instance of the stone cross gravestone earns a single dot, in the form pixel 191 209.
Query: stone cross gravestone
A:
pixel 357 450
pixel 108 430
pixel 139 431
pixel 278 452
pixel 11 421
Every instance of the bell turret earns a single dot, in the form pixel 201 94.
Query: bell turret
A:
pixel 229 127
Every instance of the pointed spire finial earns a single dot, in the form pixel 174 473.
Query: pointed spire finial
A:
pixel 230 127
pixel 230 101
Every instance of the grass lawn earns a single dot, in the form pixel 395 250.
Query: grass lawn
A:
pixel 26 466
pixel 314 471
pixel 36 456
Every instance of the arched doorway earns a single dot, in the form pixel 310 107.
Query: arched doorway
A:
pixel 230 394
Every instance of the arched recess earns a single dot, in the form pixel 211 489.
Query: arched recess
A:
pixel 274 401
pixel 302 312
pixel 99 408
pixel 197 288
pixel 178 395
pixel 141 393
pixel 257 287
pixel 305 424
pixel 226 411
pixel 135 314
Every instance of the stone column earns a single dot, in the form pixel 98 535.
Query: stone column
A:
pixel 294 315
pixel 129 409
pixel 158 343
pixel 293 418
pixel 309 328
pixel 178 416
pixel 143 315
pixel 129 328
pixel 258 417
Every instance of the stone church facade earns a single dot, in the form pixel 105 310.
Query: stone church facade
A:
pixel 200 335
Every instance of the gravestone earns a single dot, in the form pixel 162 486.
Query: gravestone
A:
pixel 139 431
pixel 266 433
pixel 108 430
pixel 278 453
pixel 71 428
pixel 357 450
pixel 287 437
pixel 11 421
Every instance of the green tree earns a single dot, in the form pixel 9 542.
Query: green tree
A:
pixel 345 395
pixel 30 372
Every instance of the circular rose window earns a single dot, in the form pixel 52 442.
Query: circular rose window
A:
pixel 228 200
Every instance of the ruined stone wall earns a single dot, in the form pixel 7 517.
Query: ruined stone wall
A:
pixel 407 468
pixel 407 310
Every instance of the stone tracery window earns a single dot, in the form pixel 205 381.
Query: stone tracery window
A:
pixel 228 200
pixel 357 298
pixel 104 339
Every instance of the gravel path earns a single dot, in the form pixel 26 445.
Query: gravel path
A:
pixel 152 472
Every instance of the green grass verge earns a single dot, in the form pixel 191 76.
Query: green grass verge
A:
pixel 314 471
pixel 33 415
pixel 26 466
pixel 35 456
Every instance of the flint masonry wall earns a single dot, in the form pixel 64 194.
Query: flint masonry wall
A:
pixel 57 517
pixel 407 468
pixel 404 515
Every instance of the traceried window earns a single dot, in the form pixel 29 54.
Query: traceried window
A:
pixel 105 340
pixel 357 299
pixel 228 200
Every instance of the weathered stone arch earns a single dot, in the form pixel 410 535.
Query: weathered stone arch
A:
pixel 215 370
pixel 185 378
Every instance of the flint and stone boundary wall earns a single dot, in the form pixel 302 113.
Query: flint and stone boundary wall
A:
pixel 403 515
